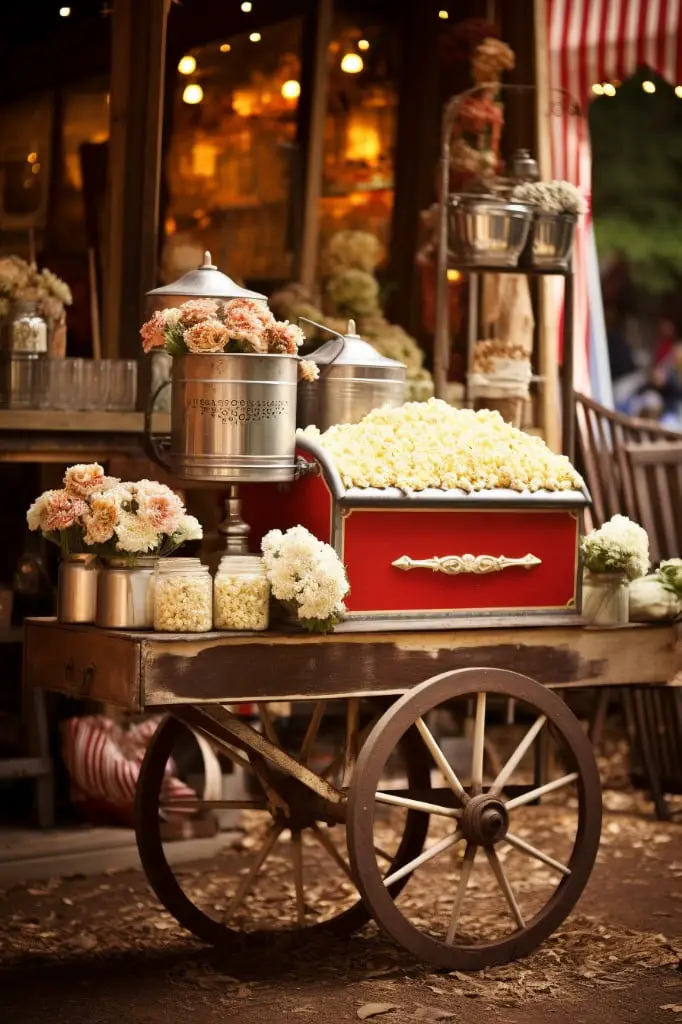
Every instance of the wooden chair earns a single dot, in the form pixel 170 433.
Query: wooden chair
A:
pixel 634 467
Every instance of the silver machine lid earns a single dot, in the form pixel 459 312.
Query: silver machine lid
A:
pixel 350 350
pixel 206 282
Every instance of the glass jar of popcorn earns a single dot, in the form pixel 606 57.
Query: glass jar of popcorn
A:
pixel 183 596
pixel 241 594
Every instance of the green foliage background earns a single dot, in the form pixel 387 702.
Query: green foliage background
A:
pixel 637 180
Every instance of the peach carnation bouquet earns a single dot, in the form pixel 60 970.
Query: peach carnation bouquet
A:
pixel 96 514
pixel 207 326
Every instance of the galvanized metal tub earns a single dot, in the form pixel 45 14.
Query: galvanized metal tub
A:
pixel 550 241
pixel 347 394
pixel 233 417
pixel 486 232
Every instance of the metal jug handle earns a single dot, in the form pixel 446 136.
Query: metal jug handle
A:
pixel 351 330
pixel 156 445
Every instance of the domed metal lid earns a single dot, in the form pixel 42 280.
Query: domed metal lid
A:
pixel 206 282
pixel 349 350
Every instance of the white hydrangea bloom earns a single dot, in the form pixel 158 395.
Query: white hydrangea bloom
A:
pixel 618 546
pixel 304 571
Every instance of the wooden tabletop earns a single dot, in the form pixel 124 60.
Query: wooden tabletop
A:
pixel 146 670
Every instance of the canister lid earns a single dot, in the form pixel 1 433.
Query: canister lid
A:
pixel 351 350
pixel 241 563
pixel 206 282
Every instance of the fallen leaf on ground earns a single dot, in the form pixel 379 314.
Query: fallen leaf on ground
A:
pixel 432 1014
pixel 675 1007
pixel 375 1009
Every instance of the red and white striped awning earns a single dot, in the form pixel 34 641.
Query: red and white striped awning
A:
pixel 595 41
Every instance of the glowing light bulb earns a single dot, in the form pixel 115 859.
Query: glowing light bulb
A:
pixel 193 94
pixel 225 48
pixel 64 12
pixel 443 15
pixel 255 37
pixel 678 91
pixel 649 87
pixel 454 276
pixel 187 65
pixel 31 158
pixel 247 7
pixel 363 44
pixel 352 63
pixel 609 89
pixel 598 89
pixel 291 89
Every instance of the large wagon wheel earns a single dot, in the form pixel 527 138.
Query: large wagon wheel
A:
pixel 536 860
pixel 229 912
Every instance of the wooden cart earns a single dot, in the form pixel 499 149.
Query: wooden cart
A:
pixel 393 760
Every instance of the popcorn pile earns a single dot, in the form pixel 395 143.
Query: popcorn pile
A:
pixel 240 602
pixel 306 576
pixel 432 445
pixel 183 604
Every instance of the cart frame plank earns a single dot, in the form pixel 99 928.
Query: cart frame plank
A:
pixel 150 670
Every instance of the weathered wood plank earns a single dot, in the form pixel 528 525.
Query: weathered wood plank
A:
pixel 150 669
pixel 282 667
pixel 83 662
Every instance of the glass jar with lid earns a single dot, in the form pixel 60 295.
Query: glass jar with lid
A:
pixel 183 596
pixel 241 594
pixel 27 329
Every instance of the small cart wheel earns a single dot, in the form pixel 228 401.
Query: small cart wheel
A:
pixel 282 845
pixel 539 858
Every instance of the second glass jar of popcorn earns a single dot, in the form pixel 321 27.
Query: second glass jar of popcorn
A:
pixel 241 594
pixel 183 596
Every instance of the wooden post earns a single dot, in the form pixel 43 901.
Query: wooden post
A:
pixel 548 326
pixel 313 145
pixel 132 208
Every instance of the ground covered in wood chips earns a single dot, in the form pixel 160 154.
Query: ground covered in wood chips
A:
pixel 101 950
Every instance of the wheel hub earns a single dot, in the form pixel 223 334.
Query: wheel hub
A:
pixel 485 820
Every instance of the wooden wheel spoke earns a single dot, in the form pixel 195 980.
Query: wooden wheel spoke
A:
pixel 503 882
pixel 417 805
pixel 521 844
pixel 535 794
pixel 339 760
pixel 427 855
pixel 442 761
pixel 378 852
pixel 312 731
pixel 467 865
pixel 518 755
pixel 328 844
pixel 271 838
pixel 479 745
pixel 297 859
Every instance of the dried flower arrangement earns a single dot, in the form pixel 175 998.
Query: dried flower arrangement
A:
pixel 552 197
pixel 24 282
pixel 97 514
pixel 206 326
pixel 352 290
pixel 619 546
pixel 306 576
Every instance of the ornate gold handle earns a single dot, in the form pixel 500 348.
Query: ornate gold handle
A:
pixel 455 565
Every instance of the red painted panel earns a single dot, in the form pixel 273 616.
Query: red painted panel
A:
pixel 306 502
pixel 374 539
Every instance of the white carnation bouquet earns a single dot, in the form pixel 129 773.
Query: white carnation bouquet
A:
pixel 102 515
pixel 306 576
pixel 618 546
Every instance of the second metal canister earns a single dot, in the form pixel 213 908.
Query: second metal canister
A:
pixel 354 379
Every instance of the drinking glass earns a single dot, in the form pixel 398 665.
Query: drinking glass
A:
pixel 62 386
pixel 122 375
pixel 95 384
